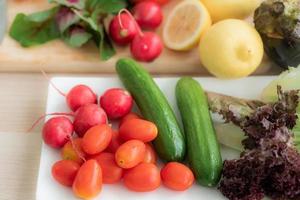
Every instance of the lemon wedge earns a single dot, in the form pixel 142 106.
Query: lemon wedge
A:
pixel 185 25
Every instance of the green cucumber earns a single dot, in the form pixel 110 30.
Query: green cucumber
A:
pixel 203 150
pixel 170 142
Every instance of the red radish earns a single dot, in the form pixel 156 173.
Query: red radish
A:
pixel 122 29
pixel 148 14
pixel 146 47
pixel 87 116
pixel 160 2
pixel 80 95
pixel 116 102
pixel 57 130
pixel 64 172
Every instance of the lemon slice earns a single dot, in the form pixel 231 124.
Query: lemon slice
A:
pixel 185 25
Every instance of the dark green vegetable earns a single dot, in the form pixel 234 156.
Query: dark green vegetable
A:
pixel 202 146
pixel 278 22
pixel 170 142
pixel 75 22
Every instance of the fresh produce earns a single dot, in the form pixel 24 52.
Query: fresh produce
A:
pixel 269 165
pixel 80 95
pixel 277 21
pixel 185 25
pixel 122 29
pixel 170 143
pixel 129 116
pixel 146 46
pixel 75 22
pixel 64 172
pixel 72 150
pixel 111 172
pixel 202 146
pixel 177 176
pixel 150 155
pixel 115 142
pixel 57 131
pixel 88 181
pixel 130 154
pixel 116 102
pixel 138 129
pixel 226 9
pixel 97 139
pixel 231 49
pixel 144 177
pixel 160 2
pixel 148 14
pixel 88 116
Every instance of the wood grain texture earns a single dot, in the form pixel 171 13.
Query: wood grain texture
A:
pixel 55 56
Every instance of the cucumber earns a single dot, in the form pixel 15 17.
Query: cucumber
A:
pixel 170 142
pixel 203 150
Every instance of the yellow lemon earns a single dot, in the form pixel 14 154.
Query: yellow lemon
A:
pixel 231 48
pixel 185 25
pixel 224 9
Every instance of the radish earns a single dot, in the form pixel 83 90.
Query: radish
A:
pixel 122 29
pixel 80 95
pixel 146 46
pixel 57 131
pixel 87 116
pixel 116 102
pixel 148 14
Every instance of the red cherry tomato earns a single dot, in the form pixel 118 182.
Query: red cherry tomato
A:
pixel 150 155
pixel 177 176
pixel 130 154
pixel 64 172
pixel 144 177
pixel 129 116
pixel 111 172
pixel 73 151
pixel 138 129
pixel 115 142
pixel 88 181
pixel 96 139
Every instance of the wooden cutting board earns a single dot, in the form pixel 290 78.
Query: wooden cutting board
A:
pixel 55 56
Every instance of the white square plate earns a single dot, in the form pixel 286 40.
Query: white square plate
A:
pixel 48 189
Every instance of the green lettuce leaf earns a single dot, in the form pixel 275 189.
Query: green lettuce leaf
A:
pixel 76 37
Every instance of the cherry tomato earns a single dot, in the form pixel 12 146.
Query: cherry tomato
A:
pixel 177 176
pixel 69 153
pixel 161 2
pixel 115 142
pixel 64 172
pixel 111 172
pixel 129 116
pixel 96 139
pixel 130 154
pixel 88 181
pixel 150 155
pixel 138 129
pixel 142 178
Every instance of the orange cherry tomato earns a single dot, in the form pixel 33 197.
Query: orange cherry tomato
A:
pixel 138 129
pixel 115 142
pixel 150 155
pixel 97 139
pixel 111 172
pixel 144 177
pixel 130 154
pixel 177 176
pixel 64 172
pixel 88 181
pixel 129 116
pixel 73 151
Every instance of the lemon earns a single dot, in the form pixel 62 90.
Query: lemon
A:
pixel 231 48
pixel 224 9
pixel 185 25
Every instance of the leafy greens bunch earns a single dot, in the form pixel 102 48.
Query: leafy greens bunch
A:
pixel 76 22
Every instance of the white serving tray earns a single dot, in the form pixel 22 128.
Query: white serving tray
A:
pixel 48 189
